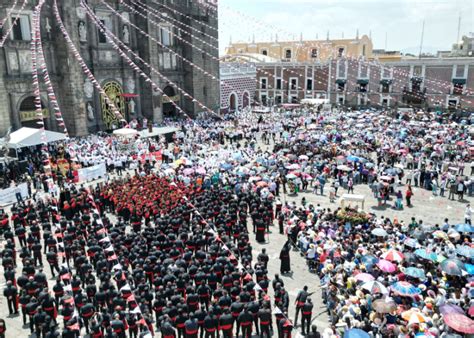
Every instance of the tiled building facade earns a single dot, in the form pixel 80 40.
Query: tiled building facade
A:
pixel 238 86
pixel 83 108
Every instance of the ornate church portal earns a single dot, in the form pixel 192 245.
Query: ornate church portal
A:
pixel 114 91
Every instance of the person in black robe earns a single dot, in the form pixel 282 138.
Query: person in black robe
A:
pixel 285 258
pixel 260 235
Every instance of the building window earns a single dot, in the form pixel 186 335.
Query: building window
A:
pixel 341 86
pixel 458 89
pixel 363 50
pixel 204 91
pixel 460 71
pixel 21 30
pixel 165 35
pixel 278 99
pixel 288 54
pixel 263 83
pixel 264 52
pixel 363 87
pixel 264 99
pixel 278 84
pixel 385 102
pixel 385 88
pixel 416 85
pixel 417 71
pixel 102 36
pixel 293 84
pixel 341 100
pixel 340 52
pixel 309 84
pixel 314 53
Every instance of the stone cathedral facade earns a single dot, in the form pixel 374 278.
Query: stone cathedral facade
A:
pixel 83 108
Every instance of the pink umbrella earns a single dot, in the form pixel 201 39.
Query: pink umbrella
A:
pixel 393 255
pixel 471 311
pixel 364 277
pixel 188 171
pixel 459 322
pixel 386 266
pixel 201 171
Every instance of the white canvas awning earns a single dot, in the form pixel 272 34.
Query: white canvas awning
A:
pixel 157 131
pixel 27 137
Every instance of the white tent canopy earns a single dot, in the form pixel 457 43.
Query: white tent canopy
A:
pixel 129 132
pixel 27 137
pixel 314 101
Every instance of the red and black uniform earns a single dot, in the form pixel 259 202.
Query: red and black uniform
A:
pixel 226 324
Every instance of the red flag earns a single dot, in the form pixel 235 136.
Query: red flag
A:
pixel 111 258
pixel 131 298
pixel 141 321
pixel 69 300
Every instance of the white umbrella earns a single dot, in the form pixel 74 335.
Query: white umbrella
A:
pixel 375 287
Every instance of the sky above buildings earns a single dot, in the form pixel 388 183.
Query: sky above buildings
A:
pixel 394 24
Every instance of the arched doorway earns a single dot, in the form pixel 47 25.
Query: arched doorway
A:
pixel 114 92
pixel 245 99
pixel 27 112
pixel 169 110
pixel 233 102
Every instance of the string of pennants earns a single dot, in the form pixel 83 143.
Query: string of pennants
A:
pixel 232 255
pixel 105 31
pixel 126 20
pixel 153 12
pixel 166 18
pixel 184 15
pixel 47 80
pixel 83 65
pixel 117 269
pixel 9 12
pixel 36 34
pixel 15 21
pixel 115 42
pixel 442 83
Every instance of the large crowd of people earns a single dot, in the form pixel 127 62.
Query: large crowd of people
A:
pixel 163 246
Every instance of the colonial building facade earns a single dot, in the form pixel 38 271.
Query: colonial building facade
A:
pixel 83 108
pixel 424 83
pixel 306 50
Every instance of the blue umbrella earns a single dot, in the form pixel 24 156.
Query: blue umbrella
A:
pixel 423 253
pixel 415 273
pixel 226 166
pixel 411 242
pixel 464 228
pixel 453 267
pixel 352 158
pixel 405 288
pixel 356 333
pixel 469 268
pixel 369 260
pixel 465 251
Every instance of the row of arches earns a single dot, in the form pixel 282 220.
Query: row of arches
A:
pixel 234 102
